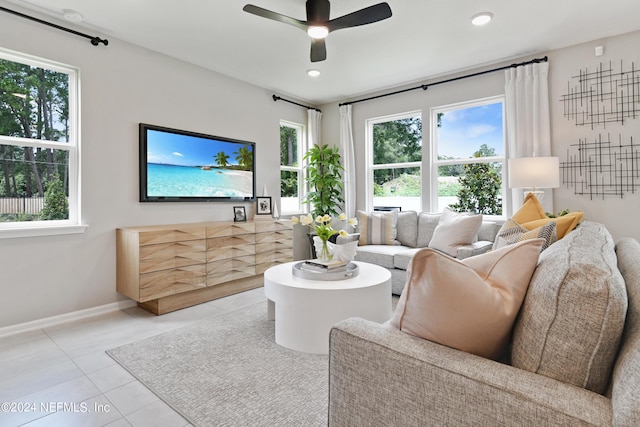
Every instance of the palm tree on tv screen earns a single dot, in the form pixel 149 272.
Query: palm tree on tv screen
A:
pixel 221 159
pixel 244 157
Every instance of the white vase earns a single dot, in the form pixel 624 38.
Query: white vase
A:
pixel 323 252
pixel 344 252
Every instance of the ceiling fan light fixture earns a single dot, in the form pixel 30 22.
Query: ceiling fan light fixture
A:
pixel 313 72
pixel 481 18
pixel 318 23
pixel 318 31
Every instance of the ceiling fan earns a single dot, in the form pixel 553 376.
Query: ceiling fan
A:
pixel 318 25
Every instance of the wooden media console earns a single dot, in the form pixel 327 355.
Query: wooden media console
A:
pixel 168 267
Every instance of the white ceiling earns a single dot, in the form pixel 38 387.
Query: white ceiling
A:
pixel 423 39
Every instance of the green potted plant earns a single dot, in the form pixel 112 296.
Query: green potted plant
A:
pixel 324 179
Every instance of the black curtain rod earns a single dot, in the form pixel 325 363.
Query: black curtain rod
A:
pixel 426 86
pixel 95 40
pixel 277 98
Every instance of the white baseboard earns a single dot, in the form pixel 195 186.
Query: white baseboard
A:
pixel 64 318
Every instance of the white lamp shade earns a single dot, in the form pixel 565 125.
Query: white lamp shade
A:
pixel 534 172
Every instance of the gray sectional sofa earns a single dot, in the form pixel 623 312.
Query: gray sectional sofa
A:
pixel 413 232
pixel 574 358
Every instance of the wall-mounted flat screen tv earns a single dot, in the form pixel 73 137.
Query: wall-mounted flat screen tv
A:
pixel 182 166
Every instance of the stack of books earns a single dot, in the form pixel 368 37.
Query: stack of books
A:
pixel 318 266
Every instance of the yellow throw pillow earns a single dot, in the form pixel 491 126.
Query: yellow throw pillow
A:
pixel 530 210
pixel 564 224
pixel 532 216
pixel 469 305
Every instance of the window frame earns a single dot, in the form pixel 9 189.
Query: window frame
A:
pixel 73 224
pixel 434 163
pixel 300 168
pixel 369 155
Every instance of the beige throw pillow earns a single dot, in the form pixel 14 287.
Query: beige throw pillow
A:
pixel 469 305
pixel 453 230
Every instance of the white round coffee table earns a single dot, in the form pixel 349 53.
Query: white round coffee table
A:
pixel 305 310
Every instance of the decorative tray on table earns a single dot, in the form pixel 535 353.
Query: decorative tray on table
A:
pixel 315 270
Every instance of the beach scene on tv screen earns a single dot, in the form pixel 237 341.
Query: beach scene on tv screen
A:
pixel 190 166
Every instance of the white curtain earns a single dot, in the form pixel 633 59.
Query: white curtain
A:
pixel 348 160
pixel 314 122
pixel 527 117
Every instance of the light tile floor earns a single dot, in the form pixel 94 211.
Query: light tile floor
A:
pixel 61 375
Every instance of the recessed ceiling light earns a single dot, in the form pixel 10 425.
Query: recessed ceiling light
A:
pixel 313 73
pixel 482 18
pixel 72 15
pixel 318 32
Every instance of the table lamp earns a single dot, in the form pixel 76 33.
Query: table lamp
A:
pixel 534 173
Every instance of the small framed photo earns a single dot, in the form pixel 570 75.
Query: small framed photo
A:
pixel 239 214
pixel 264 205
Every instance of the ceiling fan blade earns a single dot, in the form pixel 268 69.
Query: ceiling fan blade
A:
pixel 255 10
pixel 368 15
pixel 318 50
pixel 318 11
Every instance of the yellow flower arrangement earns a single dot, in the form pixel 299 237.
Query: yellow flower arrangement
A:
pixel 323 228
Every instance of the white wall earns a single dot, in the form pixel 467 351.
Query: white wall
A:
pixel 618 214
pixel 122 85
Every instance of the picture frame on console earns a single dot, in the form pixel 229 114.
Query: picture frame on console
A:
pixel 239 214
pixel 263 205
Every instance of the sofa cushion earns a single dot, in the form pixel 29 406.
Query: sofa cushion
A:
pixel 407 228
pixel 382 255
pixel 402 259
pixel 377 228
pixel 531 216
pixel 427 223
pixel 488 231
pixel 469 305
pixel 573 315
pixel 455 229
pixel 476 248
pixel 625 393
pixel 512 232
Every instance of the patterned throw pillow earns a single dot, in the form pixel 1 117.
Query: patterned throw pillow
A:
pixel 512 232
pixel 377 228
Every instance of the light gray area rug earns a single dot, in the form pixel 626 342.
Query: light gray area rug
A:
pixel 228 371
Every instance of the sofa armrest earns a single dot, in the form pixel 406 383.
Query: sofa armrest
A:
pixel 381 376
pixel 475 248
pixel 351 237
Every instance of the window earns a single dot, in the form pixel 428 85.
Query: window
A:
pixel 394 163
pixel 38 143
pixel 292 146
pixel 468 152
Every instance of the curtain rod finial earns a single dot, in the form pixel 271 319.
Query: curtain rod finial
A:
pixel 97 40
